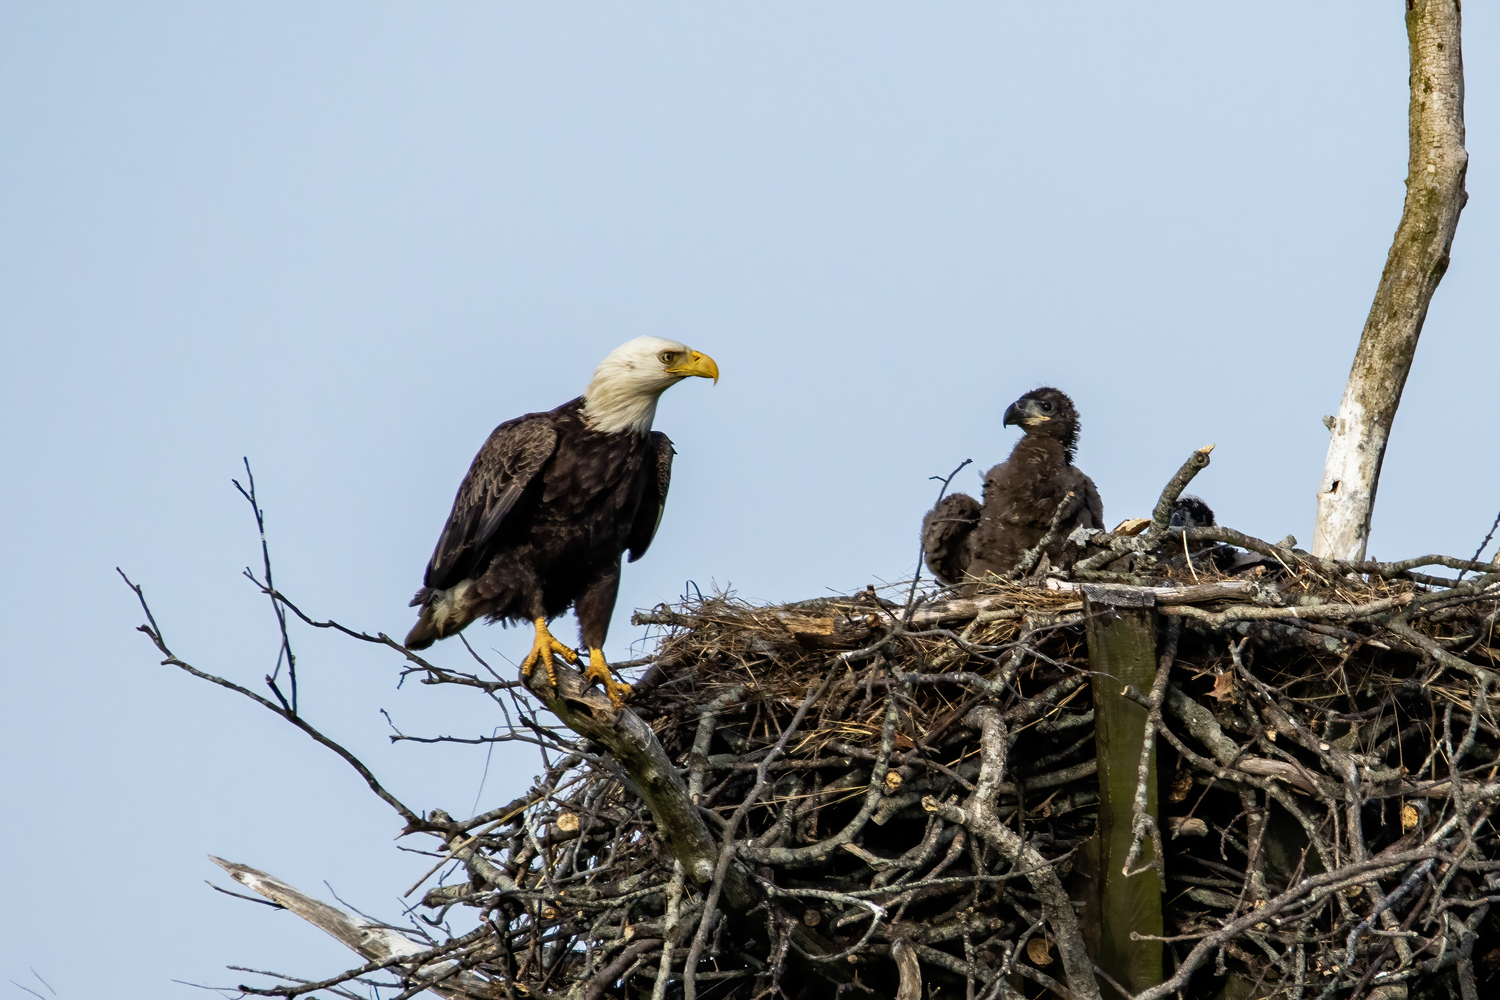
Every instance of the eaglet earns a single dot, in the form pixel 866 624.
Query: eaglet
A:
pixel 1179 554
pixel 1022 495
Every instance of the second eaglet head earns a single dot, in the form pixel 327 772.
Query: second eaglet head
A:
pixel 1047 412
pixel 628 381
pixel 1191 512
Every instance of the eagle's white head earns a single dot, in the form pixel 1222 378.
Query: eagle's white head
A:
pixel 626 384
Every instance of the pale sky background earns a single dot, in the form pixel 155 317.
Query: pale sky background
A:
pixel 346 240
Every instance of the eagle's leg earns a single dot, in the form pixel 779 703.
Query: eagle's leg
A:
pixel 594 606
pixel 543 648
pixel 599 670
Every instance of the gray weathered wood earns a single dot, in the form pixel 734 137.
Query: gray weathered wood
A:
pixel 909 968
pixel 634 746
pixel 372 941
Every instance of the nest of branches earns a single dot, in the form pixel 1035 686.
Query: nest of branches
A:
pixel 902 798
pixel 922 796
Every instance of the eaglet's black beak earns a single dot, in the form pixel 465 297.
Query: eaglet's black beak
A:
pixel 1023 413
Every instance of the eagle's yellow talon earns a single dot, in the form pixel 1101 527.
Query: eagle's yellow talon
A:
pixel 543 648
pixel 598 670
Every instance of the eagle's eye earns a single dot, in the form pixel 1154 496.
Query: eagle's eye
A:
pixel 1046 407
pixel 667 357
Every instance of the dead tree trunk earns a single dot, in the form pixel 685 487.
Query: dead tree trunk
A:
pixel 1418 258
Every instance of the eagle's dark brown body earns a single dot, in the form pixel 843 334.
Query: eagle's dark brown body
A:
pixel 540 523
pixel 1022 495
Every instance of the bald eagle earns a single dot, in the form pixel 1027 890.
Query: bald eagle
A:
pixel 963 538
pixel 550 504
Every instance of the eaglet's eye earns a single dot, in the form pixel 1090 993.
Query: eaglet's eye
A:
pixel 1046 407
pixel 667 357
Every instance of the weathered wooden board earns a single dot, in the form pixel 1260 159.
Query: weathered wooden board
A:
pixel 1122 650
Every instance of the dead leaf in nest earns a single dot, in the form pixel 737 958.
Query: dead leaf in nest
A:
pixel 1223 687
pixel 1409 817
pixel 903 742
pixel 1039 951
pixel 1182 784
pixel 1186 826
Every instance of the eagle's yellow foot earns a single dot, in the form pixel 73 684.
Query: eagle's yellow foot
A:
pixel 543 648
pixel 598 670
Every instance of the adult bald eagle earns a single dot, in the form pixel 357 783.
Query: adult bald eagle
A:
pixel 551 502
pixel 962 538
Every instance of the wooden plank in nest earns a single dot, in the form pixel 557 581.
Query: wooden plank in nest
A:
pixel 1121 597
pixel 825 632
pixel 1122 651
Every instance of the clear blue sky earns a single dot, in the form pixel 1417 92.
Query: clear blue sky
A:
pixel 347 239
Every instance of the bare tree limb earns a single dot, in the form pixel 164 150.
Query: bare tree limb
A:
pixel 1418 258
pixel 382 946
pixel 153 632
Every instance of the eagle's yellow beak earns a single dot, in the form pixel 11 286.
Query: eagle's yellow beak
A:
pixel 699 364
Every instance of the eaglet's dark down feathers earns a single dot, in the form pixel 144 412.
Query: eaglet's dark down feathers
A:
pixel 963 539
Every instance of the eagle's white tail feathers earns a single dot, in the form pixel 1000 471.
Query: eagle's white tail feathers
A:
pixel 444 613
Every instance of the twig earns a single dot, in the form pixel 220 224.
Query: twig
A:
pixel 153 633
pixel 1065 507
pixel 1480 551
pixel 690 985
pixel 1142 825
pixel 911 592
pixel 269 587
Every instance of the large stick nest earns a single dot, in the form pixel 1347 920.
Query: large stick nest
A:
pixel 841 751
pixel 896 795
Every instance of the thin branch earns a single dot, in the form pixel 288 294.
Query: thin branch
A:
pixel 153 633
pixel 265 551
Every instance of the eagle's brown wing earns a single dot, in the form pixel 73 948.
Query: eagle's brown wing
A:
pixel 1095 503
pixel 1090 512
pixel 948 536
pixel 502 470
pixel 657 468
